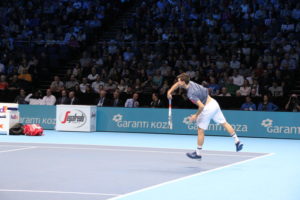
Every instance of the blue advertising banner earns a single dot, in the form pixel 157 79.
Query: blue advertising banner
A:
pixel 37 114
pixel 246 123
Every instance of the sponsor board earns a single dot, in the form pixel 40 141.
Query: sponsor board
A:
pixel 245 123
pixel 38 114
pixel 75 118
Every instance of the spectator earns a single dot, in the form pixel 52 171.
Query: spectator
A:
pixel 70 84
pixel 276 90
pixel 237 78
pixel 132 102
pixel 248 105
pixel 73 99
pixel 34 98
pixel 102 101
pixel 245 89
pixel 49 99
pixel 3 83
pixel 156 102
pixel 57 85
pixel 83 85
pixel 231 87
pixel 213 87
pixel 266 105
pixel 116 101
pixel 224 92
pixel 97 84
pixel 20 99
pixel 293 104
pixel 63 99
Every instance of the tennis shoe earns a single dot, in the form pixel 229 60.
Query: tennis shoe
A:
pixel 193 155
pixel 239 146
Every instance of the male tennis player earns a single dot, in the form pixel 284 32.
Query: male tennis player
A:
pixel 208 108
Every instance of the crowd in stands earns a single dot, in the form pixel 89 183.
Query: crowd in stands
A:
pixel 235 48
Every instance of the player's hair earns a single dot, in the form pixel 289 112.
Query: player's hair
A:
pixel 184 77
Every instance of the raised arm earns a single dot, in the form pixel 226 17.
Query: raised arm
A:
pixel 172 89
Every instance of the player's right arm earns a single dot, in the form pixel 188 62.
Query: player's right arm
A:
pixel 172 89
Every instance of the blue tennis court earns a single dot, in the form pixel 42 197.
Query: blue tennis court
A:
pixel 69 165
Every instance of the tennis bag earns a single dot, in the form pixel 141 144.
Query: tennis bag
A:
pixel 16 129
pixel 33 130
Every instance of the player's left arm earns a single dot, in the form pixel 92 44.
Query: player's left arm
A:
pixel 200 109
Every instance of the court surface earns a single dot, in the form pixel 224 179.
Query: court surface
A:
pixel 73 166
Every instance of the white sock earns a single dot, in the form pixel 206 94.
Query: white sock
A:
pixel 198 150
pixel 235 137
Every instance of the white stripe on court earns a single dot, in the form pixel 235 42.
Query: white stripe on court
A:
pixel 107 147
pixel 20 149
pixel 134 150
pixel 59 192
pixel 187 177
pixel 142 151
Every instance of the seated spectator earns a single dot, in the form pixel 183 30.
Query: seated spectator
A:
pixel 156 102
pixel 276 90
pixel 293 104
pixel 110 86
pixel 224 92
pixel 93 75
pixel 20 99
pixel 63 99
pixel 213 87
pixel 49 99
pixel 34 98
pixel 73 99
pixel 70 84
pixel 245 89
pixel 116 101
pixel 83 85
pixel 132 102
pixel 266 105
pixel 25 76
pixel 3 82
pixel 231 87
pixel 97 84
pixel 88 98
pixel 238 79
pixel 57 85
pixel 102 101
pixel 248 105
pixel 14 83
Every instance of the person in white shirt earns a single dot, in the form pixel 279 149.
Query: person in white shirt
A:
pixel 132 102
pixel 34 98
pixel 49 99
pixel 237 78
pixel 97 83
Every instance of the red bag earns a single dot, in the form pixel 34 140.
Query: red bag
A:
pixel 33 130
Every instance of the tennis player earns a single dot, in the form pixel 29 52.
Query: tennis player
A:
pixel 208 108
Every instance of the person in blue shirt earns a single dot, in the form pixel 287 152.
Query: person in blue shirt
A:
pixel 248 105
pixel 266 105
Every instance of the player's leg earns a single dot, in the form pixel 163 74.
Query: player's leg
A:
pixel 220 119
pixel 202 123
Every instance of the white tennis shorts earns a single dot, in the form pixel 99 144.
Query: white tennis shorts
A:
pixel 211 111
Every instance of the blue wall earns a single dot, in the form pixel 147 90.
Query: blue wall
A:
pixel 246 123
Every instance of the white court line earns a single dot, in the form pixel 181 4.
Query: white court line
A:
pixel 59 192
pixel 186 177
pixel 17 149
pixel 134 150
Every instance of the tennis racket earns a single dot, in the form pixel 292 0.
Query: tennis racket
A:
pixel 170 115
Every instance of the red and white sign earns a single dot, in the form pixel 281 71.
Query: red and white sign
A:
pixel 75 118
